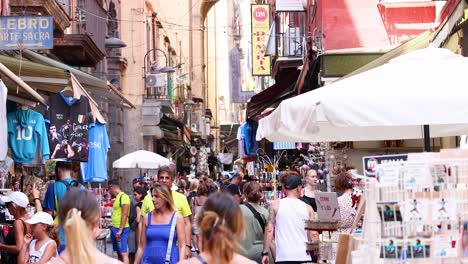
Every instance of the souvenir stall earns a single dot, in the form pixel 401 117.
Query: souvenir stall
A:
pixel 351 110
pixel 68 127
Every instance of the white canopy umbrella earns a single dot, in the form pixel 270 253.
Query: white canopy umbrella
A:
pixel 393 101
pixel 141 159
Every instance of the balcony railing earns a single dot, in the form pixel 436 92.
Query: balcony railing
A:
pixel 90 20
pixel 290 37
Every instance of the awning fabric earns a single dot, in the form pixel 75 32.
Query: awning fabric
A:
pixel 272 96
pixel 435 38
pixel 93 84
pixel 172 124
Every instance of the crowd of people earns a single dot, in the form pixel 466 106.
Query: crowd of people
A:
pixel 198 220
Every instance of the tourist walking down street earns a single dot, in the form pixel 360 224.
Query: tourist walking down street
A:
pixel 120 226
pixel 288 216
pixel 162 231
pixel 166 176
pixel 55 193
pixel 79 214
pixel 221 227
pixel 196 204
pixel 233 187
pixel 255 218
pixel 16 203
pixel 38 247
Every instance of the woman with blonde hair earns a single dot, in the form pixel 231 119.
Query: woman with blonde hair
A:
pixel 78 215
pixel 162 231
pixel 221 225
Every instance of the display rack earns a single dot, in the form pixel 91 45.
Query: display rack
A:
pixel 417 211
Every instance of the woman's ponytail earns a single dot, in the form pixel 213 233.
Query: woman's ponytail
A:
pixel 217 238
pixel 78 238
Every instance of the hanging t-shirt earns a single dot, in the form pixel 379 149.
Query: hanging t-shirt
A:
pixel 96 169
pixel 68 120
pixel 3 121
pixel 25 129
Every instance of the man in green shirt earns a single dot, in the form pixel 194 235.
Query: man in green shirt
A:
pixel 166 176
pixel 120 226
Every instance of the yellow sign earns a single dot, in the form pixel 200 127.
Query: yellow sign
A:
pixel 261 64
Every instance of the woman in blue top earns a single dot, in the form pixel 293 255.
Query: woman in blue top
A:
pixel 155 245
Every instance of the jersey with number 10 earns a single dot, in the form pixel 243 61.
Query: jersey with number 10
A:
pixel 25 129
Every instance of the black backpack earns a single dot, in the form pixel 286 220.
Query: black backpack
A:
pixel 132 215
pixel 73 183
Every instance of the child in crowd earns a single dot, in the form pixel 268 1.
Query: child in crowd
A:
pixel 42 248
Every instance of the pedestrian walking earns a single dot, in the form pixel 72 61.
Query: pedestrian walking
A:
pixel 288 216
pixel 38 246
pixel 166 176
pixel 221 227
pixel 196 204
pixel 120 225
pixel 255 218
pixel 16 203
pixel 233 187
pixel 79 214
pixel 55 193
pixel 163 230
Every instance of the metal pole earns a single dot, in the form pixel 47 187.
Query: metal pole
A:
pixel 146 55
pixel 427 138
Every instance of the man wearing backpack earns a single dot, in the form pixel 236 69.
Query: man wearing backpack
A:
pixel 56 191
pixel 120 221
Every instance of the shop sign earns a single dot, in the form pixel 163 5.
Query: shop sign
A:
pixel 327 206
pixel 238 96
pixel 28 32
pixel 370 163
pixel 260 15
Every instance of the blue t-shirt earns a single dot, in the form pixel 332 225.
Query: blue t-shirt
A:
pixel 25 129
pixel 49 200
pixel 96 169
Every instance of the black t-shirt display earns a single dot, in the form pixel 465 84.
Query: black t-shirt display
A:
pixel 68 120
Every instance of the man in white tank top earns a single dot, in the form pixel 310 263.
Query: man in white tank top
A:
pixel 288 216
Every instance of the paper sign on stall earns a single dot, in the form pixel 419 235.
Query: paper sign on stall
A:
pixel 417 174
pixel 327 206
pixel 388 174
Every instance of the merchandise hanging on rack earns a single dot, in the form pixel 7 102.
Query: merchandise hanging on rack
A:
pixel 68 119
pixel 26 129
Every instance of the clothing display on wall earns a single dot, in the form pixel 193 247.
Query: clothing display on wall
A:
pixel 3 121
pixel 96 169
pixel 68 120
pixel 25 129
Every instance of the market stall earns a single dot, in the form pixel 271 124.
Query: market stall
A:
pixel 402 99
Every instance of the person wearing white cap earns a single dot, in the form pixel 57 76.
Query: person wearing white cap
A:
pixel 42 248
pixel 16 202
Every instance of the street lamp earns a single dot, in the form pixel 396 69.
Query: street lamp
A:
pixel 165 69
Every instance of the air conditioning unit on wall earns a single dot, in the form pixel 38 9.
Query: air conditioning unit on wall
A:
pixel 155 80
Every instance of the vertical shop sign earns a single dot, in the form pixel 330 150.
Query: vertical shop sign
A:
pixel 238 96
pixel 261 64
pixel 29 32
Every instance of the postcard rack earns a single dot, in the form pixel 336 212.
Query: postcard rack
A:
pixel 417 211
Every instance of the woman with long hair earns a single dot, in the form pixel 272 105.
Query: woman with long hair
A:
pixel 162 231
pixel 221 225
pixel 310 188
pixel 16 203
pixel 196 204
pixel 78 215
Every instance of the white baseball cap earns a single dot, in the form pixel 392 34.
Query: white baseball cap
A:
pixel 18 198
pixel 41 217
